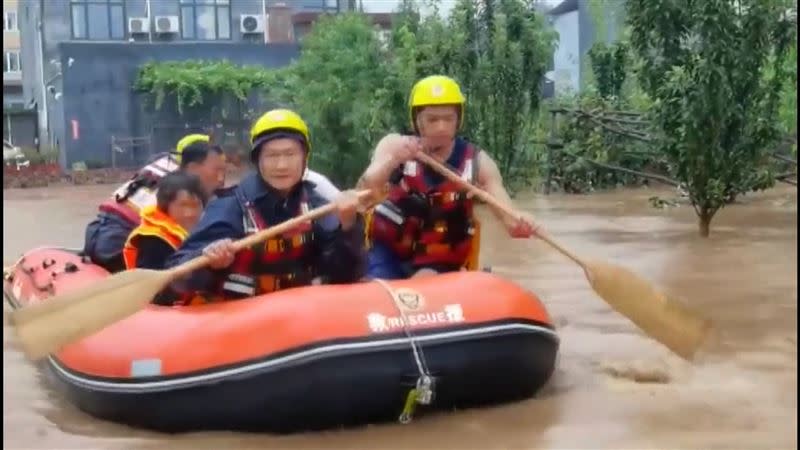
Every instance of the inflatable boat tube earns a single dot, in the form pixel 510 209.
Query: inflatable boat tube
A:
pixel 302 359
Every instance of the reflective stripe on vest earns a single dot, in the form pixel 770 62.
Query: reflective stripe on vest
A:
pixel 279 262
pixel 129 204
pixel 426 239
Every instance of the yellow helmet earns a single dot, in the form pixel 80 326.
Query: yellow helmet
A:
pixel 187 141
pixel 278 120
pixel 436 90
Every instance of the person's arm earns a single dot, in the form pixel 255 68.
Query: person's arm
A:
pixel 222 219
pixel 153 252
pixel 391 151
pixel 339 255
pixel 491 180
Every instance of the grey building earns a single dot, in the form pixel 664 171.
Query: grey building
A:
pixel 19 122
pixel 579 27
pixel 81 59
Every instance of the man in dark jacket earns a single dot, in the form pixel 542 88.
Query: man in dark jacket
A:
pixel 106 235
pixel 330 249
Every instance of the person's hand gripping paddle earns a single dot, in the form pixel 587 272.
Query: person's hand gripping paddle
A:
pixel 46 327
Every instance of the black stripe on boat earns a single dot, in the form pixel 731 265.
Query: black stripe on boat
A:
pixel 339 348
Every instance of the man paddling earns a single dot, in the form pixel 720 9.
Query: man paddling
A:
pixel 427 225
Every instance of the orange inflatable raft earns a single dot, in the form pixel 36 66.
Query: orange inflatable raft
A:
pixel 300 359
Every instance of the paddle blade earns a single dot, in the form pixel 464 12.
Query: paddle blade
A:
pixel 86 311
pixel 664 319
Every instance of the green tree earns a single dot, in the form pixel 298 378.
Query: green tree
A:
pixel 497 50
pixel 702 62
pixel 352 88
pixel 788 108
pixel 609 66
pixel 333 86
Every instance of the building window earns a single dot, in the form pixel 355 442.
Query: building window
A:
pixel 10 21
pixel 11 62
pixel 98 20
pixel 205 19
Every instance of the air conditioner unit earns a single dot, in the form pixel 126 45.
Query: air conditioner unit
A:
pixel 167 24
pixel 138 25
pixel 251 23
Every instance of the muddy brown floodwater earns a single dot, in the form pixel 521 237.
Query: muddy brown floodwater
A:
pixel 613 388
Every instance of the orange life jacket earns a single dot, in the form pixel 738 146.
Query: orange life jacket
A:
pixel 140 191
pixel 154 222
pixel 428 224
pixel 276 264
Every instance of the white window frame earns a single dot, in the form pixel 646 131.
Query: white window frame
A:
pixel 7 61
pixel 8 25
pixel 216 5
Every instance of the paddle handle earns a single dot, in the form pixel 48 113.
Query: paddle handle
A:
pixel 255 238
pixel 489 198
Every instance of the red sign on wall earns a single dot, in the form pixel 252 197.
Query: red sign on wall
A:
pixel 75 131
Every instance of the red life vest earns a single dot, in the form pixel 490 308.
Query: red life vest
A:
pixel 428 224
pixel 279 263
pixel 154 223
pixel 140 191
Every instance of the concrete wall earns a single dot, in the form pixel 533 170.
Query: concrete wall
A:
pixel 98 99
pixel 580 24
pixel 38 62
pixel 567 57
pixel 600 21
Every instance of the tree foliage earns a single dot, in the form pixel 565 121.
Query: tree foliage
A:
pixel 604 128
pixel 610 67
pixel 703 64
pixel 333 86
pixel 695 90
pixel 788 105
pixel 497 50
pixel 192 82
pixel 352 87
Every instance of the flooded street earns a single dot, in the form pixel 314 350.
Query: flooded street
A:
pixel 613 388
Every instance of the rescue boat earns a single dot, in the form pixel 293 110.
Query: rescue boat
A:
pixel 302 359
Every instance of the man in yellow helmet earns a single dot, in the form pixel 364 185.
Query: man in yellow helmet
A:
pixel 426 224
pixel 330 248
pixel 120 214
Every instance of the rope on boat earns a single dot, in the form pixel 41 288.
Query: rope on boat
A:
pixel 422 393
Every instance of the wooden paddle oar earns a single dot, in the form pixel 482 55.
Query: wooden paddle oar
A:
pixel 664 319
pixel 46 327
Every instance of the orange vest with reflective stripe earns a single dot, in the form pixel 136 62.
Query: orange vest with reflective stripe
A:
pixel 428 224
pixel 154 222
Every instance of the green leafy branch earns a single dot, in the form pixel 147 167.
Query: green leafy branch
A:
pixel 193 82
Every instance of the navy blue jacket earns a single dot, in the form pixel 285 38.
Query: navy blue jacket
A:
pixel 338 256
